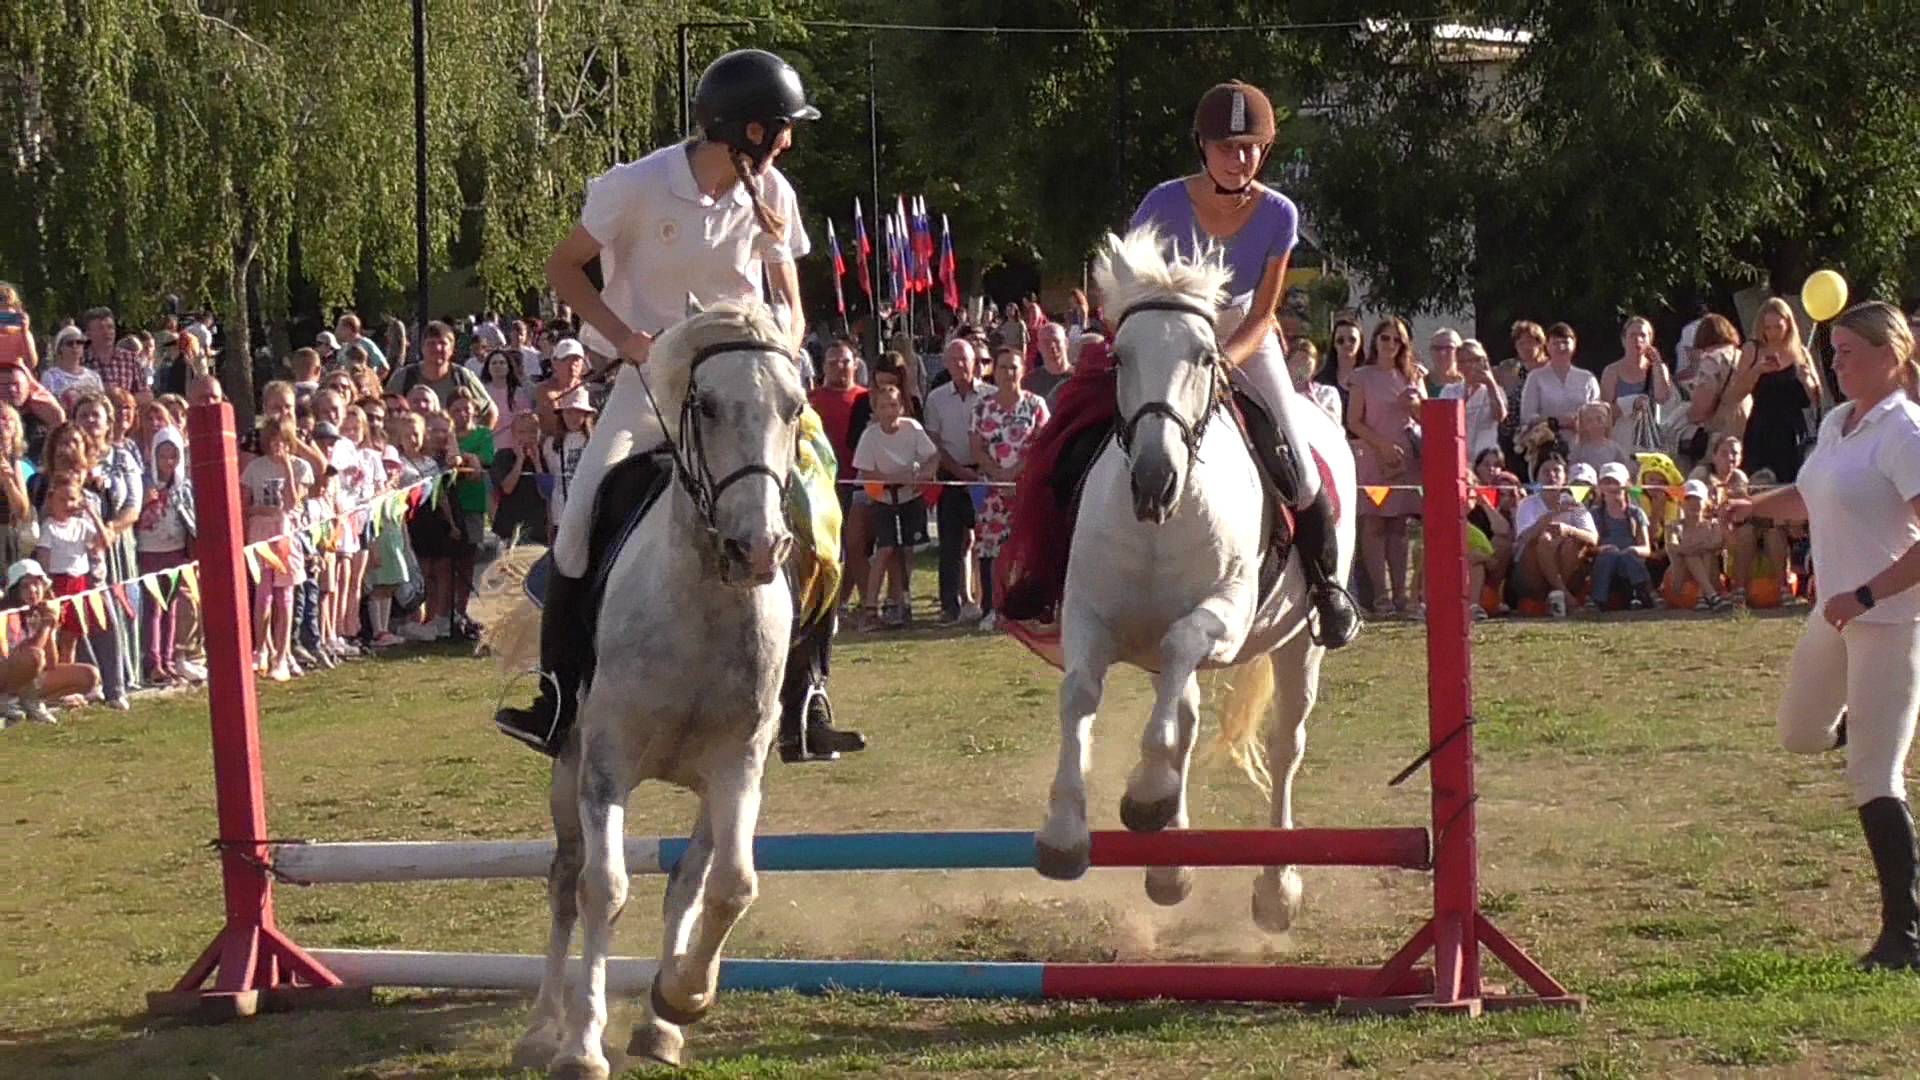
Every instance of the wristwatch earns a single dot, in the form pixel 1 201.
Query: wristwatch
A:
pixel 1865 596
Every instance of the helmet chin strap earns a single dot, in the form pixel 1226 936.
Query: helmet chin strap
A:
pixel 1244 189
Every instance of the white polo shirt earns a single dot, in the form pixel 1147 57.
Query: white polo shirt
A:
pixel 1858 489
pixel 662 240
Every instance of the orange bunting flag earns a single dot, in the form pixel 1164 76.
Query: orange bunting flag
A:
pixel 1377 493
pixel 271 557
pixel 1490 495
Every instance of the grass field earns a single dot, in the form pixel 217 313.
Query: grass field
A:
pixel 1640 834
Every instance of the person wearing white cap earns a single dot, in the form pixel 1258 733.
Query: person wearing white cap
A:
pixel 560 456
pixel 1695 542
pixel 327 346
pixel 30 672
pixel 708 218
pixel 1554 537
pixel 569 370
pixel 1854 681
pixel 1626 542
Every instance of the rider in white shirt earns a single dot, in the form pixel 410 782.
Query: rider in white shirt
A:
pixel 706 218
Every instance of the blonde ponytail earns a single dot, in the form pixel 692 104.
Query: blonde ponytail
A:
pixel 763 212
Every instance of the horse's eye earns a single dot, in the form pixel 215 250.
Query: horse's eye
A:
pixel 799 409
pixel 708 409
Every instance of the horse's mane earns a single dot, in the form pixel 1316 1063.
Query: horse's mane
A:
pixel 1134 268
pixel 669 362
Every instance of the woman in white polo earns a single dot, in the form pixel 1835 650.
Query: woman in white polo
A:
pixel 1855 677
pixel 702 218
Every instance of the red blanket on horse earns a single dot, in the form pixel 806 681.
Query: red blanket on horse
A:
pixel 1031 573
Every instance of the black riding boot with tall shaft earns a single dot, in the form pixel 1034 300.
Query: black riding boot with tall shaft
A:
pixel 806 716
pixel 566 664
pixel 1889 827
pixel 1316 538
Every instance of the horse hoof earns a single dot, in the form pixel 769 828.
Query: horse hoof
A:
pixel 579 1069
pixel 657 1042
pixel 1168 885
pixel 1276 905
pixel 1148 816
pixel 670 1012
pixel 536 1048
pixel 1061 864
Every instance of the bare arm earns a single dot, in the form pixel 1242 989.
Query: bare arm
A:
pixel 1610 383
pixel 1660 385
pixel 786 286
pixel 1780 504
pixel 567 275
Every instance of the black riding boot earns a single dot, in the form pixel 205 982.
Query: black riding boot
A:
pixel 1889 827
pixel 566 664
pixel 806 716
pixel 1318 543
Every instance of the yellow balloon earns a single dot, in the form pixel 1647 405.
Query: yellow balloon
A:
pixel 1824 294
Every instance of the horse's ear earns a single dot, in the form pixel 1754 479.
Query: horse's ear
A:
pixel 694 306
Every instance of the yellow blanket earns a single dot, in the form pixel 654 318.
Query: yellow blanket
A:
pixel 813 507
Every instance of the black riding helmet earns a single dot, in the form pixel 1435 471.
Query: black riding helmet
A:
pixel 749 86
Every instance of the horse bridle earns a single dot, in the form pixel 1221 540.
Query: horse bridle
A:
pixel 1190 432
pixel 689 453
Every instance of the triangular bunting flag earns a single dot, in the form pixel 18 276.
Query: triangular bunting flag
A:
pixel 1377 493
pixel 1489 495
pixel 126 603
pixel 6 635
pixel 151 583
pixel 98 598
pixel 253 564
pixel 190 581
pixel 1579 492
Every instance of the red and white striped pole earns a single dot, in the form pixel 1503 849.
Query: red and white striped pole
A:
pixel 250 955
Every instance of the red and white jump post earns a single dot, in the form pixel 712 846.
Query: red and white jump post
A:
pixel 253 965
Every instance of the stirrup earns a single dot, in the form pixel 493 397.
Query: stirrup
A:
pixel 1313 619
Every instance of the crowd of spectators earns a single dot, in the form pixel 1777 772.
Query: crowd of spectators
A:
pixel 376 481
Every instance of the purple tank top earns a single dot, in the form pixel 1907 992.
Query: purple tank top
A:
pixel 1268 234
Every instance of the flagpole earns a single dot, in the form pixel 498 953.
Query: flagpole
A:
pixel 873 141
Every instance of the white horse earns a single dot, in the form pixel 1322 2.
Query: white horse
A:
pixel 692 640
pixel 1163 574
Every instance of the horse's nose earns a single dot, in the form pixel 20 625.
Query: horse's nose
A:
pixel 762 556
pixel 1155 487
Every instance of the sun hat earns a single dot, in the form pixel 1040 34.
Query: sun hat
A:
pixel 575 399
pixel 23 570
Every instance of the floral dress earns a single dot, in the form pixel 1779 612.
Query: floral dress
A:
pixel 1006 433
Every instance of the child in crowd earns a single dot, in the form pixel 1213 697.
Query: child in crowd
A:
pixel 31 672
pixel 894 455
pixel 1695 544
pixel 272 488
pixel 390 567
pixel 71 539
pixel 1554 538
pixel 562 453
pixel 364 480
pixel 162 535
pixel 1625 542
pixel 472 454
pixel 17 525
pixel 1593 442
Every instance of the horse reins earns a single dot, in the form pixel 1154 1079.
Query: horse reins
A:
pixel 1190 432
pixel 689 452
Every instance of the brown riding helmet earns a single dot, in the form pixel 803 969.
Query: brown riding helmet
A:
pixel 1234 110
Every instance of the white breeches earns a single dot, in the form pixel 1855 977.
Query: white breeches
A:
pixel 625 423
pixel 1873 671
pixel 1265 375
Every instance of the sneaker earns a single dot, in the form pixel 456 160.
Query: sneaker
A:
pixel 345 650
pixel 10 711
pixel 282 672
pixel 38 712
pixel 990 621
pixel 190 670
pixel 970 613
pixel 420 633
pixel 1478 613
pixel 386 640
pixel 119 703
pixel 305 657
pixel 1557 603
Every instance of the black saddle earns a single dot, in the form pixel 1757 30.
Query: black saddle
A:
pixel 630 489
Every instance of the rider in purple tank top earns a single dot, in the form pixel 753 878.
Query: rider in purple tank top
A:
pixel 1234 131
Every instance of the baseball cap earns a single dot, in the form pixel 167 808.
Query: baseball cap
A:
pixel 23 570
pixel 1614 471
pixel 489 335
pixel 569 347
pixel 574 399
pixel 1582 474
pixel 1695 489
pixel 391 455
pixel 327 341
pixel 325 430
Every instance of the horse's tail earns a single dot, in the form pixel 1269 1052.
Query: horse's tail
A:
pixel 1243 714
pixel 500 603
